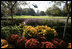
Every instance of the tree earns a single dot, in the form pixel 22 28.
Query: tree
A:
pixel 19 11
pixel 28 11
pixel 31 12
pixel 11 6
pixel 4 10
pixel 65 10
pixel 68 8
pixel 54 10
pixel 48 11
pixel 42 13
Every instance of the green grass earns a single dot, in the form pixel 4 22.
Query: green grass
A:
pixel 37 17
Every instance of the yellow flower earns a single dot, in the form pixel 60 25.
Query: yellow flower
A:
pixel 44 31
pixel 55 33
pixel 39 27
pixel 29 27
pixel 43 26
pixel 36 27
pixel 48 28
pixel 4 43
pixel 33 30
pixel 39 30
pixel 52 30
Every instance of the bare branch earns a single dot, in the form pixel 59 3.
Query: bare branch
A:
pixel 14 4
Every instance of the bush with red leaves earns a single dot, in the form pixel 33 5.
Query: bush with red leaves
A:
pixel 13 38
pixel 42 38
pixel 59 43
pixel 48 45
pixel 21 42
pixel 32 43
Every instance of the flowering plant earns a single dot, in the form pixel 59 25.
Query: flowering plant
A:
pixel 21 42
pixel 59 43
pixel 48 45
pixel 31 31
pixel 13 38
pixel 32 43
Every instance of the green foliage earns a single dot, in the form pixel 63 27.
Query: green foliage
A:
pixel 47 22
pixel 65 10
pixel 42 13
pixel 66 7
pixel 55 11
pixel 58 25
pixel 8 30
pixel 26 11
pixel 9 23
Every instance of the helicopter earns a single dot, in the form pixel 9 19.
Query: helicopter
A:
pixel 35 5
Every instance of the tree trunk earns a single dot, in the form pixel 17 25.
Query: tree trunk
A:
pixel 65 26
pixel 12 5
pixel 12 15
pixel 68 10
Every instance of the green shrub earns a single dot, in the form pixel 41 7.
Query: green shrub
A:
pixel 8 30
pixel 9 23
pixel 52 23
pixel 58 25
pixel 35 22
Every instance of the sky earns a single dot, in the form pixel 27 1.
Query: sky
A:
pixel 42 5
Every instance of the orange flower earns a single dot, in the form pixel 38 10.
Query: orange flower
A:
pixel 69 46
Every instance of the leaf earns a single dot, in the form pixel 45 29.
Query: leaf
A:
pixel 23 34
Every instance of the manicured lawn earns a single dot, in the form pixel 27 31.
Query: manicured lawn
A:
pixel 37 17
pixel 42 17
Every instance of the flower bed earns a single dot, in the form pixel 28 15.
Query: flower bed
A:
pixel 37 37
pixel 30 31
